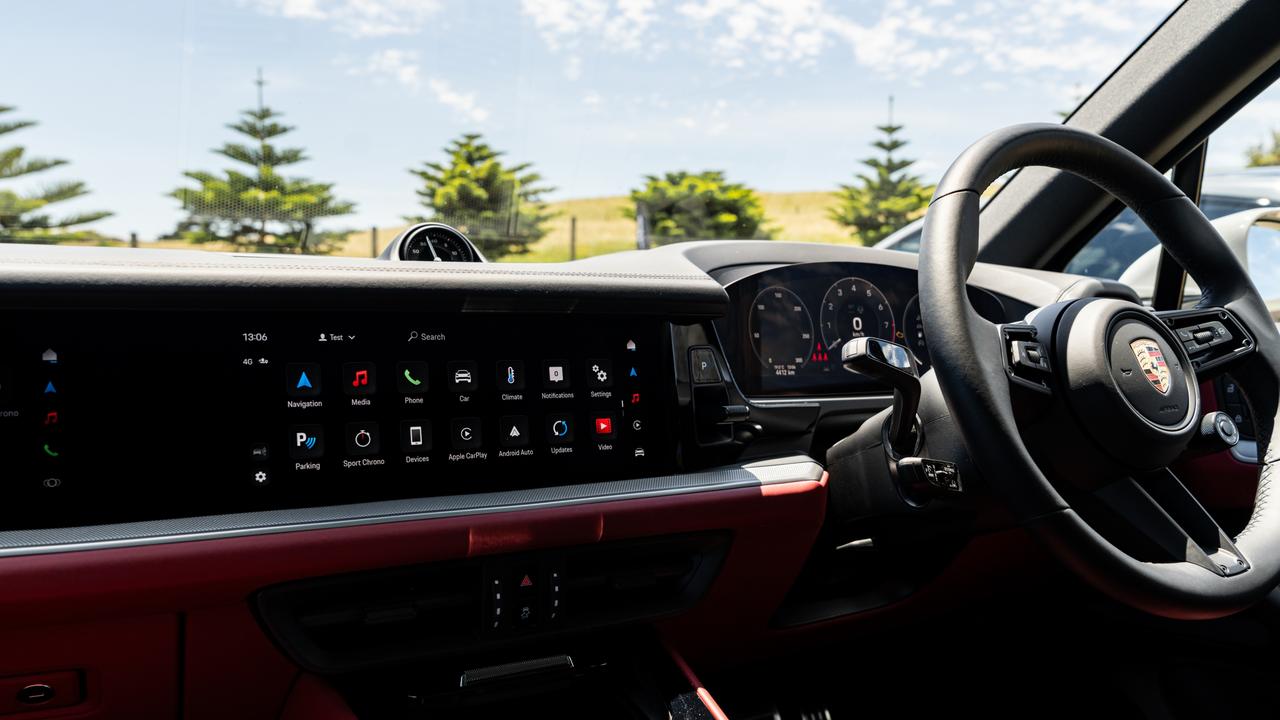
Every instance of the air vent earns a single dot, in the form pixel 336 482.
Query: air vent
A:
pixel 351 622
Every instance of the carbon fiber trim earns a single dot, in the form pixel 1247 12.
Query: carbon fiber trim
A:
pixel 154 532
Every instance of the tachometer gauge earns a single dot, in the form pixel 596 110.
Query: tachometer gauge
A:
pixel 781 330
pixel 854 308
pixel 987 306
pixel 913 331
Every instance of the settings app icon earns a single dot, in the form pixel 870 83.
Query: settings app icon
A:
pixel 600 373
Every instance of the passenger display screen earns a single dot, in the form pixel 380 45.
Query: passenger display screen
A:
pixel 110 415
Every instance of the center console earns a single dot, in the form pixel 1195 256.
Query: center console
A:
pixel 113 414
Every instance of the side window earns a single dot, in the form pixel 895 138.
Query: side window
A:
pixel 1242 174
pixel 1262 255
pixel 1114 249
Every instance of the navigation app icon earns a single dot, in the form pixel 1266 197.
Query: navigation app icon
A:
pixel 302 379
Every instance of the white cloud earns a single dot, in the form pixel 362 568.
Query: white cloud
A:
pixel 569 25
pixel 400 66
pixel 403 68
pixel 357 18
pixel 900 38
pixel 463 103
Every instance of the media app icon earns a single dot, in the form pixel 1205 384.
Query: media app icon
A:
pixel 359 378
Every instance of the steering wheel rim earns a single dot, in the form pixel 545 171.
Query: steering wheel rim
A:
pixel 970 359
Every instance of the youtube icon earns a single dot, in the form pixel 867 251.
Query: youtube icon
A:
pixel 603 426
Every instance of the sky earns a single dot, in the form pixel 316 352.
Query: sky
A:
pixel 782 95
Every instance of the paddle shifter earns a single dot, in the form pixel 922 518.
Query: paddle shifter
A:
pixel 895 365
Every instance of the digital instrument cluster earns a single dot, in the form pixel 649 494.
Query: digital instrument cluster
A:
pixel 111 415
pixel 787 325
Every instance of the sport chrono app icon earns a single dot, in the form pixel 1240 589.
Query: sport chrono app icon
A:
pixel 363 438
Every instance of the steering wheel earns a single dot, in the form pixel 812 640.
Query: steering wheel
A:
pixel 1115 392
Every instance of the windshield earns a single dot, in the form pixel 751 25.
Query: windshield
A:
pixel 545 129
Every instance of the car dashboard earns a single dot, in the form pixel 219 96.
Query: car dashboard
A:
pixel 345 466
pixel 333 383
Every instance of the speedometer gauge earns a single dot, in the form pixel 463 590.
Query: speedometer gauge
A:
pixel 854 308
pixel 781 330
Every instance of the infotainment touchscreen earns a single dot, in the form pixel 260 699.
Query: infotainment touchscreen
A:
pixel 110 415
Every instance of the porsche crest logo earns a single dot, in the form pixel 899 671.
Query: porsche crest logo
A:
pixel 1151 359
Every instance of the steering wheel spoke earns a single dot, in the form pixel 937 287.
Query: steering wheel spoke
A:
pixel 1026 357
pixel 1165 523
pixel 1214 338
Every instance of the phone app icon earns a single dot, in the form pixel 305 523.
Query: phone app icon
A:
pixel 411 377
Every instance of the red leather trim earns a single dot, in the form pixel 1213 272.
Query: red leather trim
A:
pixel 130 666
pixel 313 699
pixel 179 576
pixel 232 670
pixel 1219 480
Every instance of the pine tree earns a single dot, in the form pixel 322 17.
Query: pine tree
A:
pixel 260 210
pixel 22 216
pixel 886 198
pixel 1264 156
pixel 499 207
pixel 683 206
